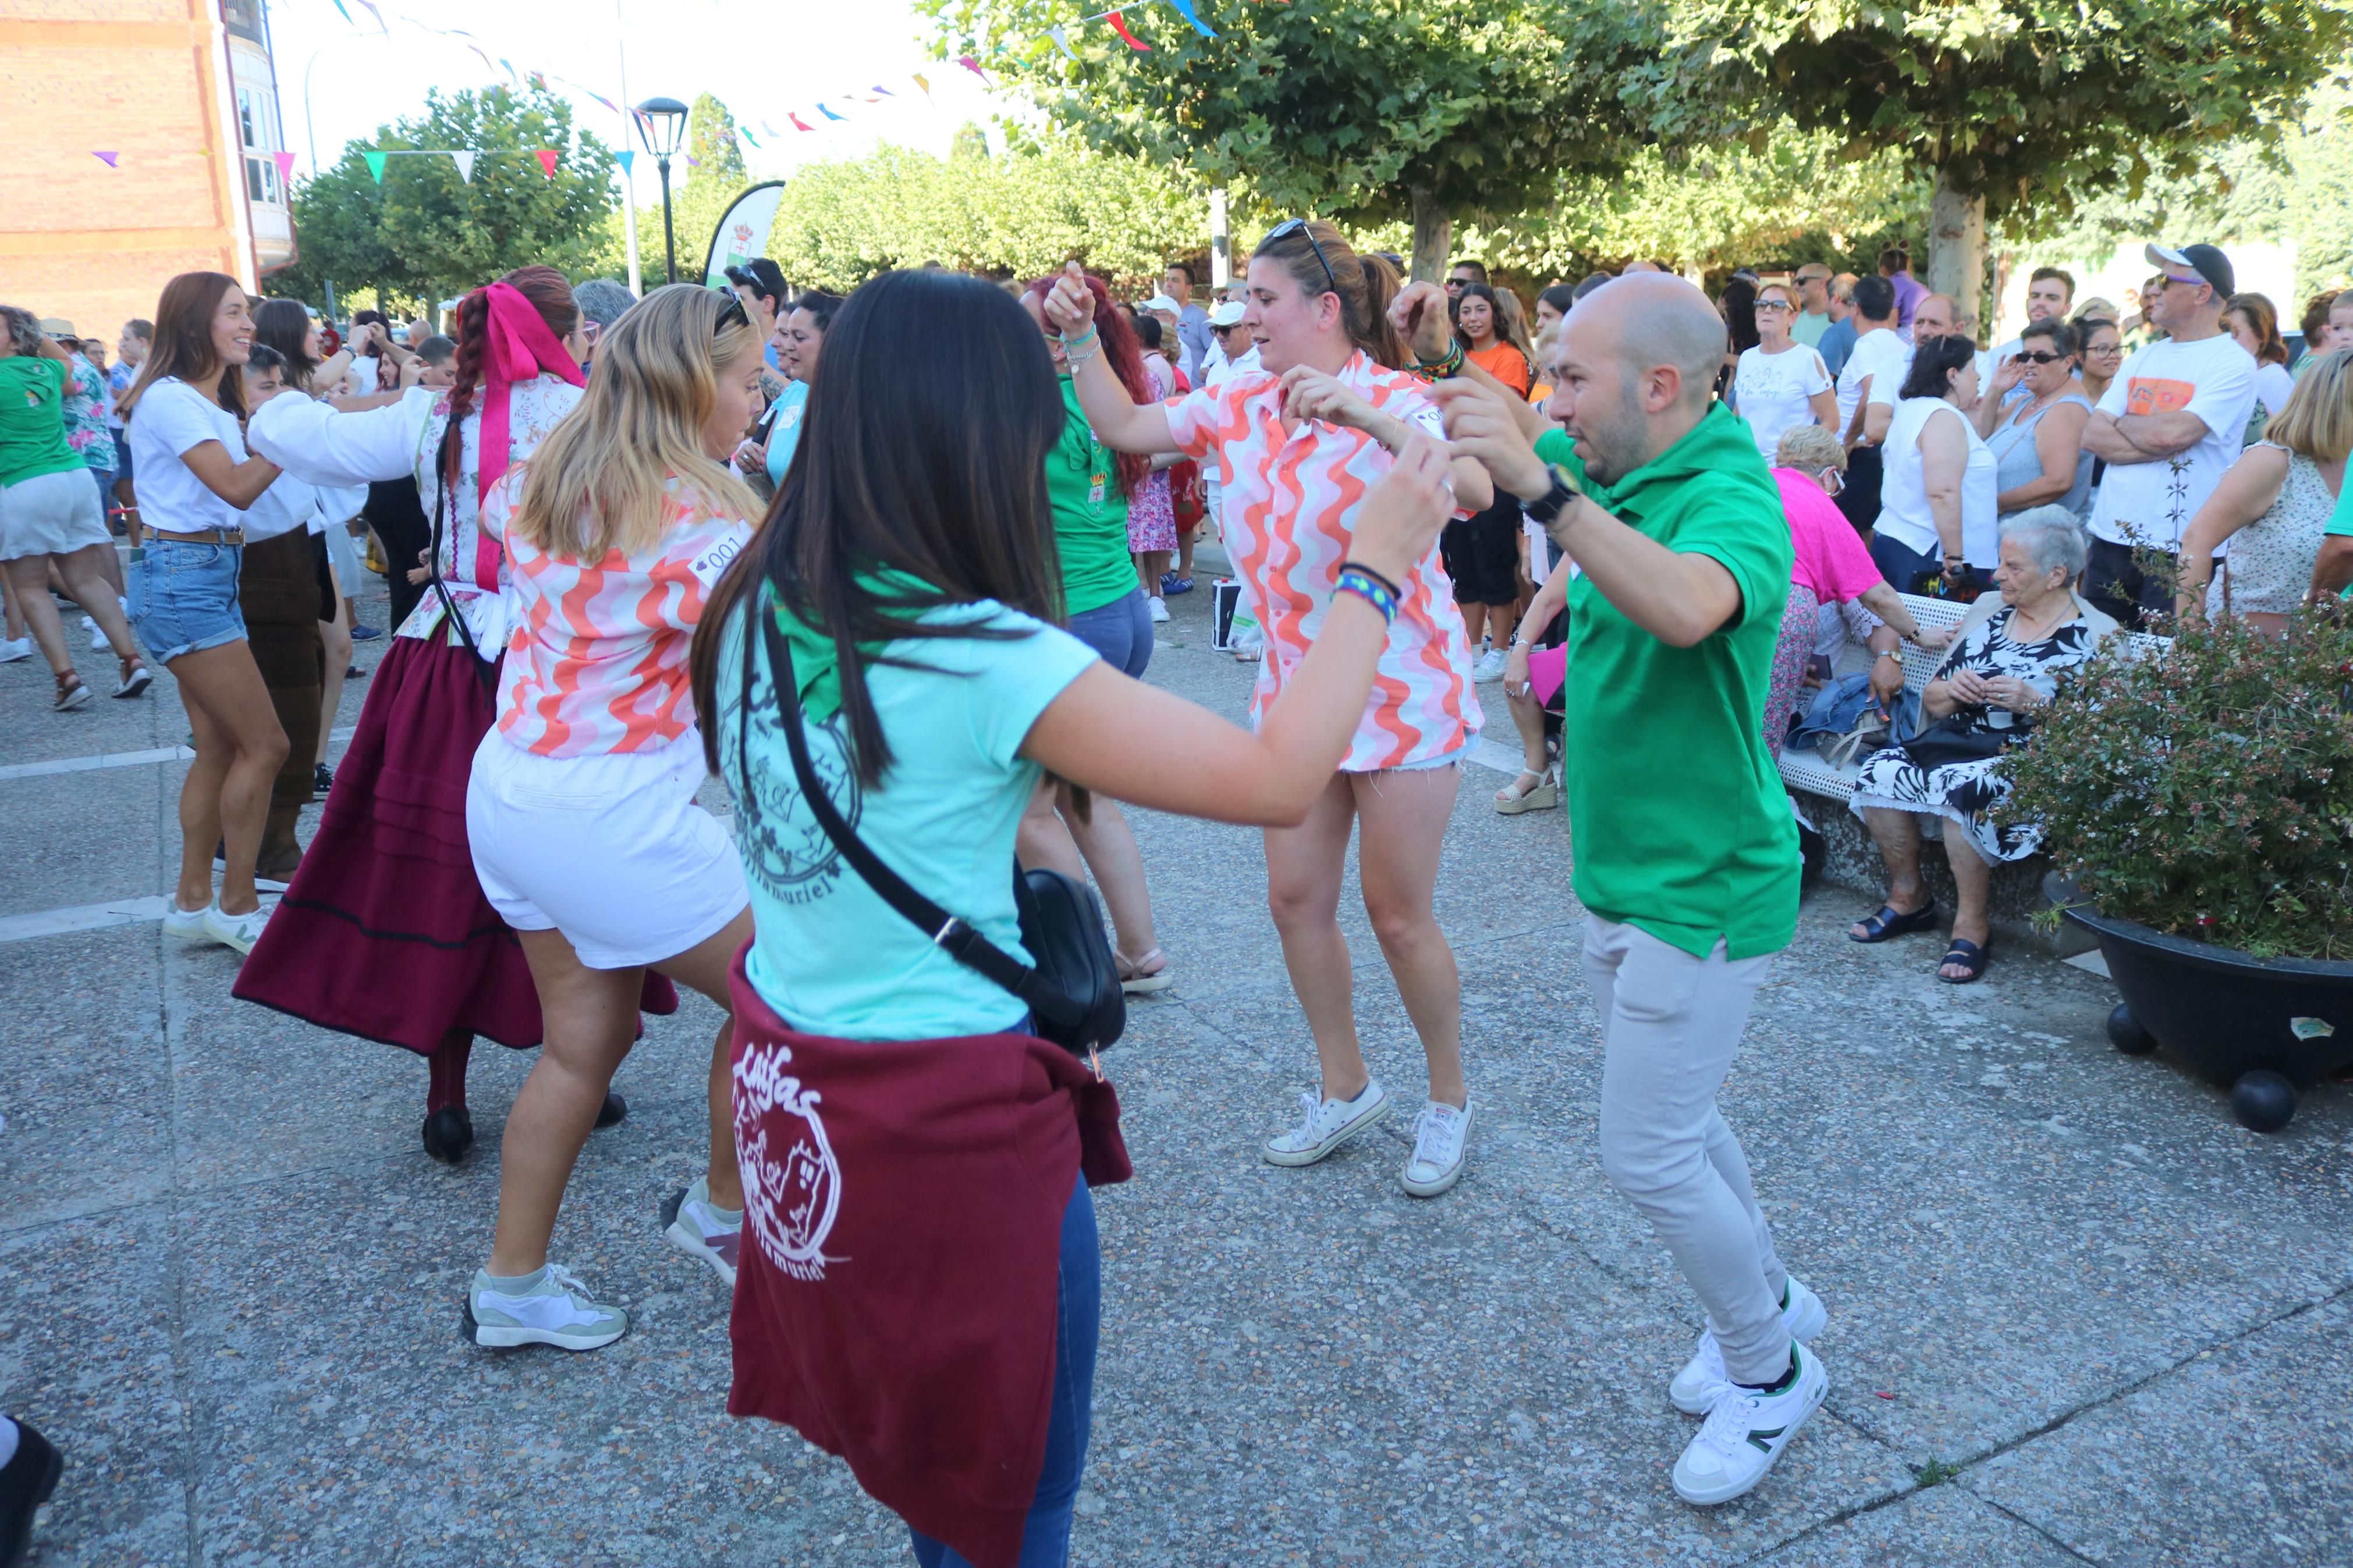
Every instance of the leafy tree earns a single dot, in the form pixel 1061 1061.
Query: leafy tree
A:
pixel 423 233
pixel 2017 106
pixel 1367 110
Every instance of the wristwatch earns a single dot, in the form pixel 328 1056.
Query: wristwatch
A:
pixel 1548 506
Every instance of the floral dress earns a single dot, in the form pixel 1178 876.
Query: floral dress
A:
pixel 1966 793
pixel 88 402
pixel 1151 514
pixel 2269 567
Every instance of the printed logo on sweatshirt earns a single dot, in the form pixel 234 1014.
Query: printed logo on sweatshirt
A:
pixel 792 1182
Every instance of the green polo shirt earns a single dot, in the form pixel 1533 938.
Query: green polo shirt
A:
pixel 2341 521
pixel 1090 515
pixel 1676 813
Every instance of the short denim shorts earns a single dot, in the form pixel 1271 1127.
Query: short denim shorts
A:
pixel 183 597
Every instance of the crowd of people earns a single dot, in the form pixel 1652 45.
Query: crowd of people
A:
pixel 633 543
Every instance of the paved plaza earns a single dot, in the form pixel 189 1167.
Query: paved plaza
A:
pixel 2076 1313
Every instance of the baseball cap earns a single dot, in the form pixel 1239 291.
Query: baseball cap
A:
pixel 57 327
pixel 1228 314
pixel 1164 302
pixel 2205 260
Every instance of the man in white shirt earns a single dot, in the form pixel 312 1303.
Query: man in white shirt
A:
pixel 1230 348
pixel 2168 427
pixel 1939 316
pixel 1867 386
pixel 2050 292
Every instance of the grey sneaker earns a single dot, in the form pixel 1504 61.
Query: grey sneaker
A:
pixel 698 1229
pixel 1326 1126
pixel 1441 1137
pixel 555 1310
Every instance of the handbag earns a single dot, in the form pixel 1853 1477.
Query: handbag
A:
pixel 1074 993
pixel 1948 741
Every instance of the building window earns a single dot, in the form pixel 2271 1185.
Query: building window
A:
pixel 261 180
pixel 245 118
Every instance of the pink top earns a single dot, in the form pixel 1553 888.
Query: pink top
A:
pixel 596 663
pixel 1290 501
pixel 1831 559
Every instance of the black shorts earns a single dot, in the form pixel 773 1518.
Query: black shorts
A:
pixel 1481 553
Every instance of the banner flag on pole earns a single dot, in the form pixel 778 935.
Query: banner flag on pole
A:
pixel 107 158
pixel 627 158
pixel 464 158
pixel 1185 9
pixel 547 156
pixel 1061 41
pixel 285 162
pixel 375 162
pixel 1119 26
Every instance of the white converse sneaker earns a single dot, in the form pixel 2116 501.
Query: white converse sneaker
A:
pixel 188 925
pixel 555 1310
pixel 13 651
pixel 1695 1387
pixel 1745 1432
pixel 698 1229
pixel 1442 1136
pixel 1490 666
pixel 239 932
pixel 96 635
pixel 1159 609
pixel 1326 1126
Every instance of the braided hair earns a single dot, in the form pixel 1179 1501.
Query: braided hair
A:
pixel 545 287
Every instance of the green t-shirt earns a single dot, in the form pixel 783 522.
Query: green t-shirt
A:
pixel 33 419
pixel 1676 814
pixel 1090 515
pixel 1809 329
pixel 2341 521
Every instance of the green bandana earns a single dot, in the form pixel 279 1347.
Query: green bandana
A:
pixel 816 663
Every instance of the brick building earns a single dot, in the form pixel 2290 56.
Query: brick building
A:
pixel 182 96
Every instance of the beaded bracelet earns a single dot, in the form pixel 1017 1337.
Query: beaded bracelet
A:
pixel 1372 590
pixel 1441 369
pixel 1382 578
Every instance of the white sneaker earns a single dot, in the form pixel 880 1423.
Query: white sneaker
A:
pixel 1745 1432
pixel 10 652
pixel 1489 668
pixel 555 1310
pixel 188 925
pixel 698 1229
pixel 1327 1125
pixel 1442 1136
pixel 1694 1389
pixel 239 932
pixel 96 635
pixel 1159 609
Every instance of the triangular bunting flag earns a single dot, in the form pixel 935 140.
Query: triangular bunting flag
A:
pixel 1061 41
pixel 693 162
pixel 627 157
pixel 829 114
pixel 605 102
pixel 376 14
pixel 885 91
pixel 770 129
pixel 375 162
pixel 1120 27
pixel 973 65
pixel 347 16
pixel 925 85
pixel 511 70
pixel 107 158
pixel 745 132
pixel 478 50
pixel 1185 9
pixel 546 156
pixel 464 158
pixel 285 162
pixel 538 79
pixel 797 123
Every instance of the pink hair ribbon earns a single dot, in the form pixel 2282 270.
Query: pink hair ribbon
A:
pixel 518 344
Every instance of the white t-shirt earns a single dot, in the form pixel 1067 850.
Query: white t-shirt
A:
pixel 1774 391
pixel 2152 503
pixel 170 418
pixel 1880 356
pixel 2274 386
pixel 1904 515
pixel 288 505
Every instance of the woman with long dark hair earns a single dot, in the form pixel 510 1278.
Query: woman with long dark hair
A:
pixel 185 415
pixel 920 1280
pixel 1298 443
pixel 385 933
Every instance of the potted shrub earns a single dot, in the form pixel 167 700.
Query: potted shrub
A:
pixel 2202 802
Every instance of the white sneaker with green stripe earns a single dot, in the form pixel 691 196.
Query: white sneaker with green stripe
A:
pixel 1746 1430
pixel 553 1308
pixel 1695 1387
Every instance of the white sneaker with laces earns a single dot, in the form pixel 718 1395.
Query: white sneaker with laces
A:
pixel 239 932
pixel 1746 1430
pixel 1694 1389
pixel 555 1310
pixel 10 652
pixel 1328 1124
pixel 1442 1136
pixel 1159 609
pixel 97 634
pixel 1489 668
pixel 696 1227
pixel 188 925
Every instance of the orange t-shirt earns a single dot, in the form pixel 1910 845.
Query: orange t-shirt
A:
pixel 1505 364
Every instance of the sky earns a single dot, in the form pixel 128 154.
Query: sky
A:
pixel 339 80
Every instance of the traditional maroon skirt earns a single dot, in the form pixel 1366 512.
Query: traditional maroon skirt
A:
pixel 384 931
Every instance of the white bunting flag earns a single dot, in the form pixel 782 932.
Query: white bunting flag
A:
pixel 464 161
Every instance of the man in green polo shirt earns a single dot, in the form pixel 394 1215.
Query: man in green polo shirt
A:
pixel 1686 856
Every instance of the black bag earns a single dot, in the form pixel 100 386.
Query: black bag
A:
pixel 1948 741
pixel 1073 995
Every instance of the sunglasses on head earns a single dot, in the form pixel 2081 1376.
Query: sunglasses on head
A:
pixel 1291 225
pixel 731 314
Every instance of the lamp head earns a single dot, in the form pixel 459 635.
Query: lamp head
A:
pixel 662 125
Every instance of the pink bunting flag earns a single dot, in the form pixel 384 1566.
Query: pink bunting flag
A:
pixel 972 64
pixel 546 156
pixel 285 162
pixel 605 102
pixel 797 123
pixel 1119 26
pixel 107 158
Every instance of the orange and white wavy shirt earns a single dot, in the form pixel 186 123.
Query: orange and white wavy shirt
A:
pixel 1289 501
pixel 597 661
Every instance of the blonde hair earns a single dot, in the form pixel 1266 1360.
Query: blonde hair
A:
pixel 603 478
pixel 2318 418
pixel 1809 448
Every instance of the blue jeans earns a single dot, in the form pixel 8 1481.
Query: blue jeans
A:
pixel 1078 1317
pixel 1120 631
pixel 1900 565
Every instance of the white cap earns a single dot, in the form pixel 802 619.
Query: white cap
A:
pixel 1163 302
pixel 1228 314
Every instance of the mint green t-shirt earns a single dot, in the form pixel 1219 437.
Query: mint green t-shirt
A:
pixel 2340 521
pixel 33 419
pixel 1677 819
pixel 829 955
pixel 1090 515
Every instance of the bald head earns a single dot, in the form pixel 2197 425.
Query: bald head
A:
pixel 1937 316
pixel 1637 363
pixel 1649 321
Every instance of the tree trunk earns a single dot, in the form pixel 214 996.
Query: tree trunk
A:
pixel 1433 232
pixel 1957 249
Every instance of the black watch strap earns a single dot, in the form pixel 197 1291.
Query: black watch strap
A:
pixel 1545 508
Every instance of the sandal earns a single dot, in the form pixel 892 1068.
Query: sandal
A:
pixel 1888 923
pixel 1967 955
pixel 71 693
pixel 1136 980
pixel 1531 791
pixel 136 678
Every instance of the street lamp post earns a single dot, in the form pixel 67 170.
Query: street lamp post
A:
pixel 662 126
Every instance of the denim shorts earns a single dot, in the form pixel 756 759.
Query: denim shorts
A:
pixel 183 597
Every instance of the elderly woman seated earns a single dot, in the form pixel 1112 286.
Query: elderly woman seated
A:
pixel 2007 660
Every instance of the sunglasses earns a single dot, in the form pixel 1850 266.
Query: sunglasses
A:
pixel 1775 305
pixel 2039 357
pixel 731 314
pixel 1291 225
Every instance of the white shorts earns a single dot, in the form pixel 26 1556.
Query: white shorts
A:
pixel 610 850
pixel 51 514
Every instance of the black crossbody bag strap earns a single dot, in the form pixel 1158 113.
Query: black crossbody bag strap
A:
pixel 445 499
pixel 947 931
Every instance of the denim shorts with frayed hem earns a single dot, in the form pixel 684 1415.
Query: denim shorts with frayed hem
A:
pixel 183 597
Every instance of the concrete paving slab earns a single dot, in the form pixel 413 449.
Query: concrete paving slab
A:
pixel 1941 1527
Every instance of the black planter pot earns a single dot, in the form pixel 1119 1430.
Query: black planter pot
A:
pixel 2264 1028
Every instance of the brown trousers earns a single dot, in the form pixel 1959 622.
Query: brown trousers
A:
pixel 278 589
